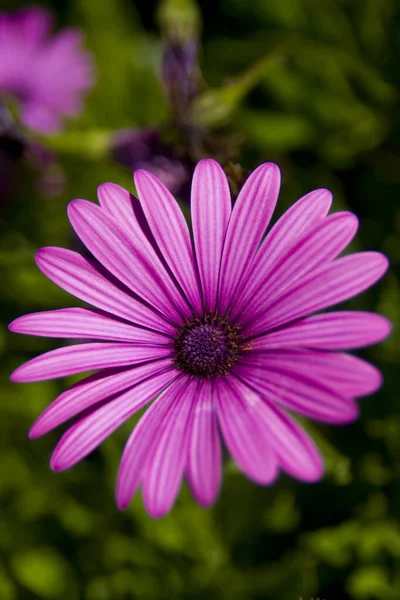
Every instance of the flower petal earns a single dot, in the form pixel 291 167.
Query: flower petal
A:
pixel 126 209
pixel 39 116
pixel 92 390
pixel 343 330
pixel 34 24
pixel 171 233
pixel 292 226
pixel 127 258
pixel 302 392
pixel 211 209
pixel 330 284
pixel 90 431
pixel 140 442
pixel 348 375
pixel 83 323
pixel 249 219
pixel 165 463
pixel 85 357
pixel 118 202
pixel 296 452
pixel 320 245
pixel 75 274
pixel 243 431
pixel 204 458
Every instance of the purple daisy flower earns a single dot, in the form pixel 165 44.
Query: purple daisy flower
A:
pixel 216 332
pixel 47 75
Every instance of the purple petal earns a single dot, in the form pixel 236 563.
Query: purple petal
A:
pixel 243 431
pixel 92 390
pixel 296 452
pixel 171 233
pixel 292 226
pixel 249 219
pixel 35 24
pixel 330 284
pixel 75 274
pixel 165 463
pixel 204 458
pixel 140 443
pixel 127 258
pixel 37 115
pixel 90 431
pixel 83 323
pixel 85 357
pixel 348 375
pixel 118 202
pixel 302 392
pixel 320 245
pixel 126 209
pixel 211 209
pixel 344 330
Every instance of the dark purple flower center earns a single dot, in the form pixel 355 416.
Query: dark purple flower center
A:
pixel 208 347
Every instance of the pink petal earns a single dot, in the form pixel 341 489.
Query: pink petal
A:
pixel 322 244
pixel 249 219
pixel 127 258
pixel 349 375
pixel 126 209
pixel 211 209
pixel 83 323
pixel 204 458
pixel 93 390
pixel 295 451
pixel 165 463
pixel 292 226
pixel 330 284
pixel 75 274
pixel 140 443
pixel 304 392
pixel 171 233
pixel 118 202
pixel 244 433
pixel 39 116
pixel 90 431
pixel 344 330
pixel 35 24
pixel 85 357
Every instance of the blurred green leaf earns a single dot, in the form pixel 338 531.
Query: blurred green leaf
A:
pixel 42 571
pixel 216 107
pixel 274 131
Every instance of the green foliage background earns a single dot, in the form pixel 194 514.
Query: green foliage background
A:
pixel 312 85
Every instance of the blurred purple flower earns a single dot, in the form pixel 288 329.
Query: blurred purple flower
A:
pixel 143 149
pixel 171 159
pixel 47 75
pixel 181 74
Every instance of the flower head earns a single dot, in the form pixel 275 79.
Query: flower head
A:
pixel 47 75
pixel 222 333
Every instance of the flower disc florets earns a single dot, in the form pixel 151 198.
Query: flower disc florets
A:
pixel 208 346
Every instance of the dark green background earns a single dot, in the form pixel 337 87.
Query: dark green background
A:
pixel 325 108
